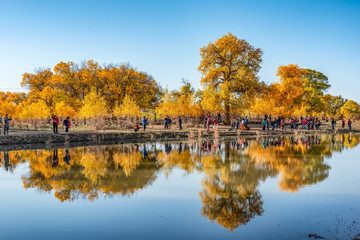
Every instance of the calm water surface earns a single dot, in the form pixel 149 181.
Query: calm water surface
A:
pixel 272 188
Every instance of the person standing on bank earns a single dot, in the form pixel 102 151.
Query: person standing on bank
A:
pixel 144 122
pixel 55 123
pixel 6 124
pixel 349 124
pixel 208 123
pixel 333 124
pixel 215 122
pixel 180 122
pixel 67 124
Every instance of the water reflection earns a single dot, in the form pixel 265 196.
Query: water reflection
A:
pixel 232 169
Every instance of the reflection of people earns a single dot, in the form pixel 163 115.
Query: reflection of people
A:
pixel 168 147
pixel 7 161
pixel 144 152
pixel 55 158
pixel 180 148
pixel 67 157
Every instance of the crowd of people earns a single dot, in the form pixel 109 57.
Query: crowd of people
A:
pixel 267 123
pixel 240 123
pixel 308 122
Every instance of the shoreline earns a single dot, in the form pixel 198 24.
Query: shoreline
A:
pixel 41 139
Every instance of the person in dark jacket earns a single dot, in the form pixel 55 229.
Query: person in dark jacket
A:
pixel 67 157
pixel 180 122
pixel 6 124
pixel 67 124
pixel 55 123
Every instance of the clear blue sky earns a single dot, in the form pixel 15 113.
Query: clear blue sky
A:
pixel 163 37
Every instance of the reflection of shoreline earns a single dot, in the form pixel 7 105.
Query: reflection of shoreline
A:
pixel 232 169
pixel 37 140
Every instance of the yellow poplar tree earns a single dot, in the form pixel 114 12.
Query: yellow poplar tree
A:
pixel 128 108
pixel 211 101
pixel 36 110
pixel 10 108
pixel 62 110
pixel 94 105
pixel 288 93
pixel 168 105
pixel 231 62
pixel 351 109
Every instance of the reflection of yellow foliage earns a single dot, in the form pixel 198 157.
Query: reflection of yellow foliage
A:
pixel 232 174
pixel 94 165
pixel 127 161
pixel 90 173
pixel 229 208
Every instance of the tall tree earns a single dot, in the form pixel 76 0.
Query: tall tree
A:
pixel 231 64
pixel 350 109
pixel 315 84
pixel 288 93
pixel 334 104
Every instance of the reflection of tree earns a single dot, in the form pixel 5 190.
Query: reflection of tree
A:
pixel 300 160
pixel 228 206
pixel 92 171
pixel 232 170
pixel 229 194
pixel 10 160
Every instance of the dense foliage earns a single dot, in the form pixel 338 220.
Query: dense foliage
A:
pixel 230 82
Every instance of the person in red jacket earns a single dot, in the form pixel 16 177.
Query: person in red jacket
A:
pixel 55 123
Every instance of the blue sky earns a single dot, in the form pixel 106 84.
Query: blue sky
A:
pixel 163 38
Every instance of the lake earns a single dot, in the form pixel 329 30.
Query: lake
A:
pixel 293 187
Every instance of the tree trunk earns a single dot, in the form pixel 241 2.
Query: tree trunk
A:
pixel 227 113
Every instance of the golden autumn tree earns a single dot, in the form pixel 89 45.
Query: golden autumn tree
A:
pixel 7 107
pixel 128 108
pixel 63 110
pixel 232 63
pixel 168 105
pixel 37 83
pixel 351 109
pixel 12 103
pixel 186 100
pixel 71 82
pixel 289 92
pixel 210 101
pixel 94 105
pixel 35 110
